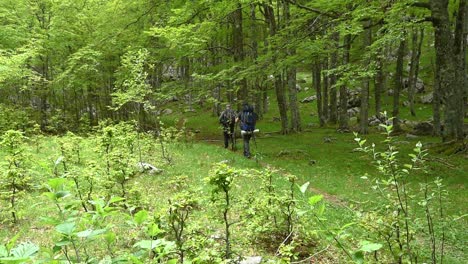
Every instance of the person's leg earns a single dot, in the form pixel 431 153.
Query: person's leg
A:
pixel 226 138
pixel 231 135
pixel 246 145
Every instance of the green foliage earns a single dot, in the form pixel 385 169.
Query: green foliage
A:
pixel 14 180
pixel 397 223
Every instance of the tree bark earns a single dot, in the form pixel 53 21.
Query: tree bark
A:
pixel 291 80
pixel 398 84
pixel 238 48
pixel 333 93
pixel 379 86
pixel 364 112
pixel 344 126
pixel 279 85
pixel 450 58
pixel 318 92
pixel 326 86
pixel 414 67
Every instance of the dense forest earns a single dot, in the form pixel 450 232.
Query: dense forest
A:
pixel 125 60
pixel 110 138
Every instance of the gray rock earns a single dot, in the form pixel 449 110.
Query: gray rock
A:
pixel 354 98
pixel 375 122
pixel 353 111
pixel 423 129
pixel 410 123
pixel 411 136
pixel 151 169
pixel 406 103
pixel 251 260
pixel 167 111
pixel 427 99
pixel 309 99
pixel 298 88
pixel 419 85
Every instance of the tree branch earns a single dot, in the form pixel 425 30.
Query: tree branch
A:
pixel 314 10
pixel 421 5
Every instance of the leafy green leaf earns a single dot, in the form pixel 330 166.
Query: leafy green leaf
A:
pixel 66 228
pixel 140 217
pixel 315 199
pixel 3 251
pixel 367 246
pixel 91 233
pixel 25 250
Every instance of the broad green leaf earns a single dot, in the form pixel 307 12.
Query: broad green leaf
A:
pixel 115 200
pixel 140 217
pixel 367 246
pixel 91 233
pixel 148 244
pixel 358 257
pixel 153 230
pixel 3 251
pixel 66 228
pixel 13 260
pixel 315 199
pixel 25 250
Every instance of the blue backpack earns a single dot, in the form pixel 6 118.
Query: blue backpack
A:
pixel 248 121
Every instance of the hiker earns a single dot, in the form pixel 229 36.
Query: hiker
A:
pixel 228 120
pixel 247 118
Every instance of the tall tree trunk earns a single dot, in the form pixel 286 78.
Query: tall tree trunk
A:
pixel 279 85
pixel 257 80
pixel 238 48
pixel 379 86
pixel 398 84
pixel 318 92
pixel 291 79
pixel 414 67
pixel 333 93
pixel 343 126
pixel 326 85
pixel 364 112
pixel 293 106
pixel 449 48
pixel 436 97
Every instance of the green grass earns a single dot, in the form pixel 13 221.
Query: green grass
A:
pixel 332 168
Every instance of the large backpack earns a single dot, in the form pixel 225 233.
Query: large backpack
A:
pixel 248 121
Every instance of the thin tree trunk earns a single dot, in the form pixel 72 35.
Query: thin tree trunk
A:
pixel 279 87
pixel 318 92
pixel 414 67
pixel 364 112
pixel 326 83
pixel 436 97
pixel 379 87
pixel 398 84
pixel 333 92
pixel 238 48
pixel 291 80
pixel 343 91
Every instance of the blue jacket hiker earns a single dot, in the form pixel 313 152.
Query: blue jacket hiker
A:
pixel 248 118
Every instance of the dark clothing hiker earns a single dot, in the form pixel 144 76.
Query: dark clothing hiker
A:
pixel 228 120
